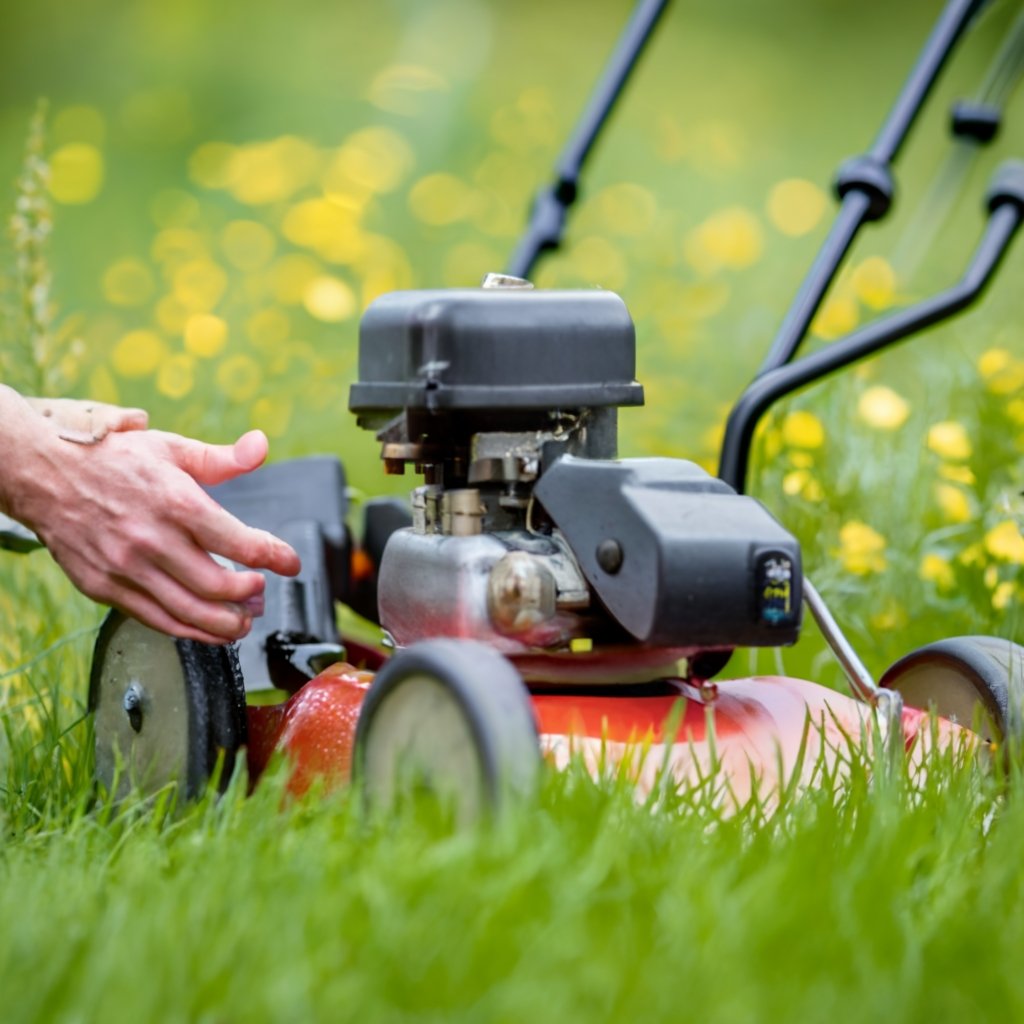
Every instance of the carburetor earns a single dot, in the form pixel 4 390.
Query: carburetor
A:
pixel 528 532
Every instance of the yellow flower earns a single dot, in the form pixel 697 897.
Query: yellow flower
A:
pixel 1003 374
pixel 731 238
pixel 972 555
pixel 76 173
pixel 861 548
pixel 838 316
pixel 802 429
pixel 952 503
pixel 1005 542
pixel 882 408
pixel 795 206
pixel 376 159
pixel 205 335
pixel 958 474
pixel 1003 596
pixel 793 483
pixel 992 360
pixel 329 299
pixel 874 282
pixel 138 353
pixel 938 570
pixel 949 439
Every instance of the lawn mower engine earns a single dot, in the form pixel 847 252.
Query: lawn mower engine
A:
pixel 527 533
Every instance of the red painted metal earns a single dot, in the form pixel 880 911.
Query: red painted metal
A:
pixel 761 732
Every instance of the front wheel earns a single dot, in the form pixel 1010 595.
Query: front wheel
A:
pixel 975 681
pixel 451 717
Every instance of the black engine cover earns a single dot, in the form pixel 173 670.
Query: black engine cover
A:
pixel 675 555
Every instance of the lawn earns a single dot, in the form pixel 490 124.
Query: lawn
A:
pixel 228 189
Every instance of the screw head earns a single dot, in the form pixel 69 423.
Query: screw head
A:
pixel 132 704
pixel 610 556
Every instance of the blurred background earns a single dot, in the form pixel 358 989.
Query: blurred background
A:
pixel 230 184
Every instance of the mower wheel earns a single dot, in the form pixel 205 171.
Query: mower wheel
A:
pixel 453 718
pixel 164 710
pixel 976 681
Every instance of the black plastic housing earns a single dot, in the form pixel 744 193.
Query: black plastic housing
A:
pixel 302 501
pixel 695 563
pixel 500 348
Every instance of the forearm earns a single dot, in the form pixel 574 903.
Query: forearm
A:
pixel 29 456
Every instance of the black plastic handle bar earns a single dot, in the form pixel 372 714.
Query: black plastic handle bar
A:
pixel 1006 205
pixel 547 219
pixel 865 184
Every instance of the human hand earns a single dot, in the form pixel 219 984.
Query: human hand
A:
pixel 128 521
pixel 87 422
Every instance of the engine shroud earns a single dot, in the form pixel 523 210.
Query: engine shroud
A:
pixel 529 533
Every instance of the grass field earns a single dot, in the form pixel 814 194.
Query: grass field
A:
pixel 228 190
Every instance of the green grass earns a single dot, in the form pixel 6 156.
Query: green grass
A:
pixel 879 898
pixel 882 898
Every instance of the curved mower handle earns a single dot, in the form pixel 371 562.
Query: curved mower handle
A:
pixel 1006 205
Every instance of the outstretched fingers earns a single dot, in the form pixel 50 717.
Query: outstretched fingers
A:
pixel 220 533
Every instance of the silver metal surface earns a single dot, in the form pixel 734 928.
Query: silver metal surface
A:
pixel 861 680
pixel 436 585
pixel 887 703
pixel 492 281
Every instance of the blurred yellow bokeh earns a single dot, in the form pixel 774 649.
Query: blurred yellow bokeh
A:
pixel 1004 541
pixel 205 335
pixel 953 503
pixel 949 440
pixel 861 548
pixel 76 173
pixel 802 429
pixel 874 282
pixel 329 299
pixel 883 408
pixel 138 353
pixel 795 206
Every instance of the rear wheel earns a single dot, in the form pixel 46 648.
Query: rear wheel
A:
pixel 975 681
pixel 164 710
pixel 451 717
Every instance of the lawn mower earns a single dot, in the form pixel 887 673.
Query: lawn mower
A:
pixel 539 596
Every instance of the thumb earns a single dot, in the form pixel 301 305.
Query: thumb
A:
pixel 214 463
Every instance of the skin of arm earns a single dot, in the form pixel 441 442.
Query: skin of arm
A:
pixel 122 512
